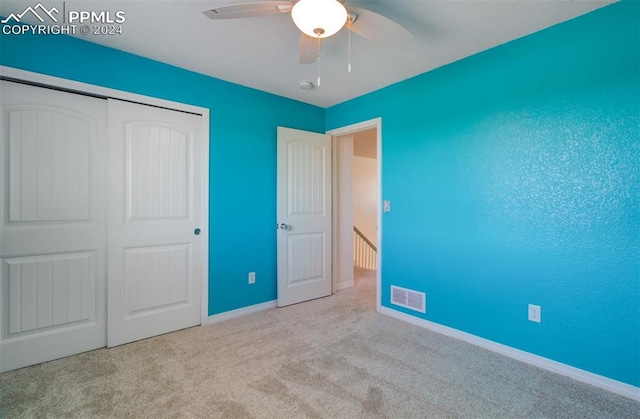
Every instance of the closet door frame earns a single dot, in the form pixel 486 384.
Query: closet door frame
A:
pixel 18 75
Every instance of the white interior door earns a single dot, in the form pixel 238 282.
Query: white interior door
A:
pixel 155 208
pixel 52 215
pixel 304 216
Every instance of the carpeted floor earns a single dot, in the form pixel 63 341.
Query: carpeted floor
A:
pixel 330 358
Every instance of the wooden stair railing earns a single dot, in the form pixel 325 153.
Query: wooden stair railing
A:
pixel 364 252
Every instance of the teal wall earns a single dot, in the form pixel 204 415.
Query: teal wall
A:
pixel 242 147
pixel 514 178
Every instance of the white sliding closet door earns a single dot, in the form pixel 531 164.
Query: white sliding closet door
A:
pixel 53 219
pixel 155 213
pixel 101 206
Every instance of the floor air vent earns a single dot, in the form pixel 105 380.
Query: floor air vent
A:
pixel 413 300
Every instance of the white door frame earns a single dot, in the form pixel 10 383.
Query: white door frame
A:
pixel 92 90
pixel 350 129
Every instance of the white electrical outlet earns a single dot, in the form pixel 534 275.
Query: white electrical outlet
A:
pixel 252 277
pixel 535 313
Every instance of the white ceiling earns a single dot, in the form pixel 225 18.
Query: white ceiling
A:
pixel 262 52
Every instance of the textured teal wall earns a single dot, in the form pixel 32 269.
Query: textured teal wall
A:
pixel 242 146
pixel 514 178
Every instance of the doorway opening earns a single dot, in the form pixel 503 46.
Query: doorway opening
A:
pixel 357 198
pixel 365 199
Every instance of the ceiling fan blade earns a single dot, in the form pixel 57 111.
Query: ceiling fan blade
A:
pixel 238 10
pixel 308 49
pixel 379 29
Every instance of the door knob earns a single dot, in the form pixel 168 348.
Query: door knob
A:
pixel 284 226
pixel 196 231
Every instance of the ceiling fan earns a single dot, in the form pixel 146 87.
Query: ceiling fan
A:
pixel 319 19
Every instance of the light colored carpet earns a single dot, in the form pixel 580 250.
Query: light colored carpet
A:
pixel 329 358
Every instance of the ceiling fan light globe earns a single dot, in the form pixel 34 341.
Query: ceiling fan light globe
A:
pixel 319 18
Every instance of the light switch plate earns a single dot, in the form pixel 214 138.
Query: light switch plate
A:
pixel 387 206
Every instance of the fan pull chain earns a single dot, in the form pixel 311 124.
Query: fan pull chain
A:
pixel 349 42
pixel 318 61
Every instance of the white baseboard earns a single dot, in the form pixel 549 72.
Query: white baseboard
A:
pixel 345 285
pixel 577 374
pixel 227 315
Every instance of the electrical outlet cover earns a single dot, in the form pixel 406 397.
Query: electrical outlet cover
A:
pixel 535 313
